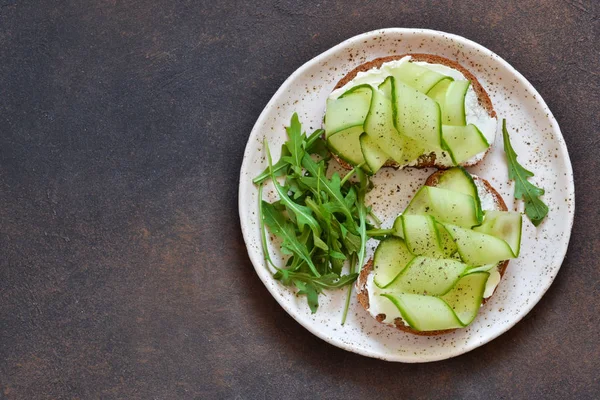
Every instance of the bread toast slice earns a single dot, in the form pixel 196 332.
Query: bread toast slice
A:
pixel 426 160
pixel 484 189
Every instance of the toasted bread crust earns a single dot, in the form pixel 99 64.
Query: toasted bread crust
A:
pixel 363 294
pixel 426 160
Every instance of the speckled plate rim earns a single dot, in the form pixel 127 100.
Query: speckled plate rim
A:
pixel 264 273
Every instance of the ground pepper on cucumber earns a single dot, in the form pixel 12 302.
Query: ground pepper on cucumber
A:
pixel 445 254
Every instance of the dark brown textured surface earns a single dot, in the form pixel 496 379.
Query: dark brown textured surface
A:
pixel 123 270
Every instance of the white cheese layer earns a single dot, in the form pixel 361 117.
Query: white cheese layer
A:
pixel 379 304
pixel 373 77
pixel 476 114
pixel 487 199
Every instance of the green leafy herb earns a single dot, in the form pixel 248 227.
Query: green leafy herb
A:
pixel 283 228
pixel 321 221
pixel 349 295
pixel 302 213
pixel 295 144
pixel 313 145
pixel 263 236
pixel 535 209
pixel 311 292
pixel 362 217
pixel 331 186
pixel 278 168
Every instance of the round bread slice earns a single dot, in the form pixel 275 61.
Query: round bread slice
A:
pixel 426 160
pixel 484 189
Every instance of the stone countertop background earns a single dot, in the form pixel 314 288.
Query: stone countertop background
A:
pixel 123 273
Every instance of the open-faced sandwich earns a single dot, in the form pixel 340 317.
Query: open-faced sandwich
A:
pixel 417 110
pixel 444 256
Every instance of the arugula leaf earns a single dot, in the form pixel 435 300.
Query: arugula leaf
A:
pixel 379 234
pixel 336 247
pixel 352 242
pixel 337 254
pixel 376 220
pixel 284 276
pixel 314 144
pixel 349 296
pixel 330 207
pixel 535 209
pixel 319 147
pixel 320 243
pixel 362 216
pixel 311 292
pixel 333 281
pixel 276 221
pixel 320 213
pixel 295 144
pixel 263 234
pixel 314 141
pixel 351 197
pixel 279 168
pixel 331 187
pixel 328 281
pixel 302 213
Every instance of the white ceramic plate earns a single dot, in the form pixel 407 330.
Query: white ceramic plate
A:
pixel 536 138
